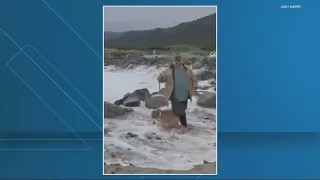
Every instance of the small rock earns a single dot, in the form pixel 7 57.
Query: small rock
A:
pixel 106 131
pixel 205 162
pixel 112 172
pixel 152 136
pixel 158 138
pixel 131 135
pixel 213 82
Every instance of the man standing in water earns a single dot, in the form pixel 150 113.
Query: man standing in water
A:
pixel 180 82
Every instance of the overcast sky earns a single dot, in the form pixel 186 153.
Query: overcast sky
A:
pixel 143 18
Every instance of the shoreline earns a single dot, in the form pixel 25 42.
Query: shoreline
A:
pixel 206 168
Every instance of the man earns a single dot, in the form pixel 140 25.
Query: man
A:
pixel 180 82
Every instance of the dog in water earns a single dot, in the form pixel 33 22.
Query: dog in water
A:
pixel 167 118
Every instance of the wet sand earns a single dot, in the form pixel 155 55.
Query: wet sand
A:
pixel 207 168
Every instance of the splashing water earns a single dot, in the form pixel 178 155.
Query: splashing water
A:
pixel 152 146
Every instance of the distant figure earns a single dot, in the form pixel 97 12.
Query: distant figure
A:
pixel 180 82
pixel 154 53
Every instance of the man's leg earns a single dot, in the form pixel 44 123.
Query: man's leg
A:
pixel 183 118
pixel 179 109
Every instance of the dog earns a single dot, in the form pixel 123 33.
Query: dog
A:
pixel 167 118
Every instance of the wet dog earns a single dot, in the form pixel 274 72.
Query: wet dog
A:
pixel 167 118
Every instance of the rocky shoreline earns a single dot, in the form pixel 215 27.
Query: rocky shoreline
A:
pixel 130 59
pixel 205 96
pixel 204 67
pixel 153 100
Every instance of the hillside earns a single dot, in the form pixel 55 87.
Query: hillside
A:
pixel 199 33
pixel 108 35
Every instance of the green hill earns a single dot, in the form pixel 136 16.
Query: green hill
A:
pixel 200 33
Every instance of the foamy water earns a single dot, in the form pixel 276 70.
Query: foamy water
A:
pixel 154 147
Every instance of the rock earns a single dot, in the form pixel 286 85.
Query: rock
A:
pixel 144 61
pixel 205 162
pixel 134 61
pixel 158 138
pixel 113 110
pixel 106 131
pixel 128 109
pixel 197 65
pixel 120 101
pixel 161 91
pixel 210 63
pixel 213 82
pixel 156 101
pixel 134 54
pixel 206 75
pixel 131 135
pixel 158 92
pixel 143 94
pixel 152 136
pixel 205 87
pixel 132 101
pixel 131 66
pixel 207 99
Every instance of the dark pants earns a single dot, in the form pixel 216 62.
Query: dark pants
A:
pixel 179 109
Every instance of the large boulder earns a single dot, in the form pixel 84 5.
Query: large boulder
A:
pixel 120 101
pixel 156 101
pixel 142 94
pixel 112 110
pixel 160 92
pixel 207 99
pixel 132 101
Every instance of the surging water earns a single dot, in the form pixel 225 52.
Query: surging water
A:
pixel 153 146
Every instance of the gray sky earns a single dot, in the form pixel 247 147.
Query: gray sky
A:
pixel 143 18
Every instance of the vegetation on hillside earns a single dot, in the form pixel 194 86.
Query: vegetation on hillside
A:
pixel 200 34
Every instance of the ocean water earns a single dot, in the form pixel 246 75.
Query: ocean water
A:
pixel 154 146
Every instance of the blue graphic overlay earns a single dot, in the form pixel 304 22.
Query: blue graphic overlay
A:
pixel 51 89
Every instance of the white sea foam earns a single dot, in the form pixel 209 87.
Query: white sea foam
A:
pixel 154 147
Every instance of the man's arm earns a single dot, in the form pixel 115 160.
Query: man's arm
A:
pixel 162 76
pixel 194 80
